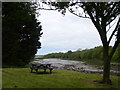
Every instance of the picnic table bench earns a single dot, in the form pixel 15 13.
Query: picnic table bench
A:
pixel 41 66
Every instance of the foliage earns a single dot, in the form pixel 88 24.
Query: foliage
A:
pixel 116 56
pixel 54 55
pixel 87 54
pixel 21 33
pixel 22 78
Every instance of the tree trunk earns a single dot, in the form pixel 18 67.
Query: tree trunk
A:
pixel 106 71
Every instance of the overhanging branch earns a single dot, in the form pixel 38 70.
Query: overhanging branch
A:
pixel 114 48
pixel 47 9
pixel 110 26
pixel 116 28
pixel 77 14
pixel 111 9
pixel 117 42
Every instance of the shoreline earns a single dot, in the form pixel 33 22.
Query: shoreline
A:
pixel 79 66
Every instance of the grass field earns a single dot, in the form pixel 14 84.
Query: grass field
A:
pixel 22 78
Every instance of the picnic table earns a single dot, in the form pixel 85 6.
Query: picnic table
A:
pixel 41 66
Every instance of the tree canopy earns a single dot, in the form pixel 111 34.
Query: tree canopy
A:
pixel 20 33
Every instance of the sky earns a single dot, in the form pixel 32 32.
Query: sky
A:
pixel 63 33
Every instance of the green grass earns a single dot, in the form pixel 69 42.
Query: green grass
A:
pixel 22 78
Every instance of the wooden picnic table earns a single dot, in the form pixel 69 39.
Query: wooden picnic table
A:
pixel 41 66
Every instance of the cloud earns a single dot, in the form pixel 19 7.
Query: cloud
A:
pixel 69 32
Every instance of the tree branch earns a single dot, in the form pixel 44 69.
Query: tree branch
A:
pixel 112 16
pixel 110 20
pixel 117 41
pixel 110 26
pixel 77 14
pixel 47 9
pixel 97 14
pixel 108 14
pixel 114 31
pixel 114 48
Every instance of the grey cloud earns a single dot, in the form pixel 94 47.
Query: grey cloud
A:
pixel 68 32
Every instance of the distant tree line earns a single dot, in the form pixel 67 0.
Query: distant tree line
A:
pixel 20 33
pixel 87 54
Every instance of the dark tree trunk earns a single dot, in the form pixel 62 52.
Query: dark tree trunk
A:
pixel 106 71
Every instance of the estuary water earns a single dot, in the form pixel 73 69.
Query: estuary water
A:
pixel 79 66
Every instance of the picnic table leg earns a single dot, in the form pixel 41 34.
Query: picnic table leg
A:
pixel 44 70
pixel 51 70
pixel 36 70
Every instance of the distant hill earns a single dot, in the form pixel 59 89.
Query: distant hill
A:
pixel 95 53
pixel 39 56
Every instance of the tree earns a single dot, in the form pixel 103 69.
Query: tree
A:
pixel 102 14
pixel 20 33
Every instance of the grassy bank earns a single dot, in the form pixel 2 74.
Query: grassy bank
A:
pixel 22 78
